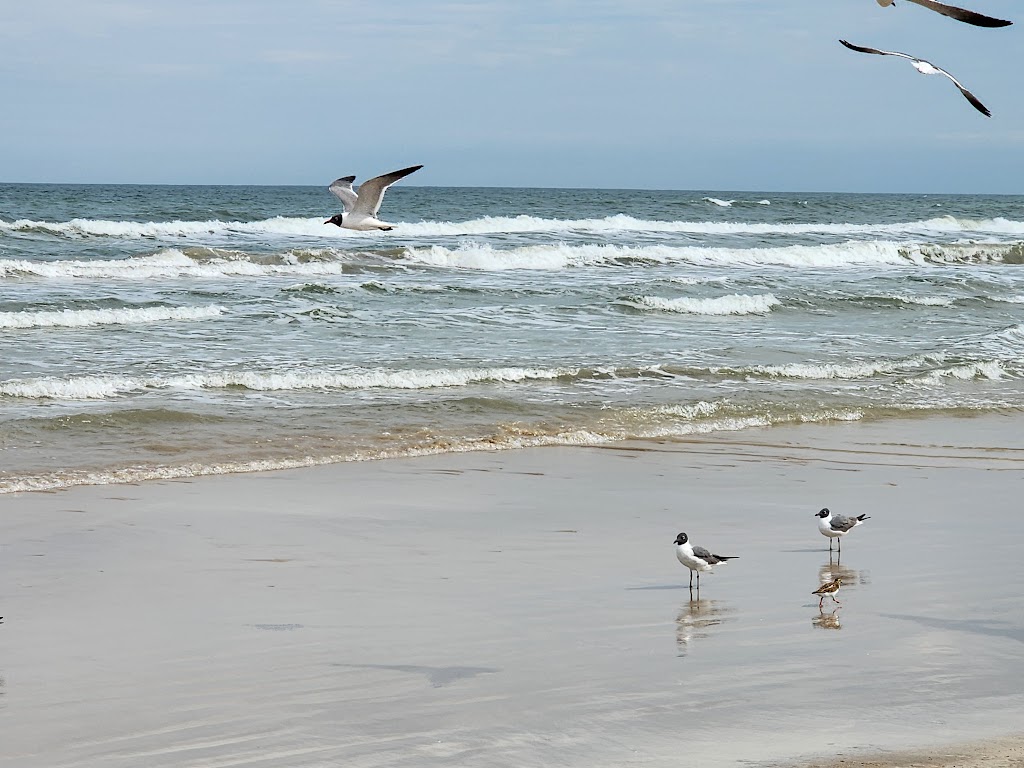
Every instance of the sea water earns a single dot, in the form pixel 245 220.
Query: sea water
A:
pixel 169 331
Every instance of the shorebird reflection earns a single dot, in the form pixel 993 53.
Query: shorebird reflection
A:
pixel 695 619
pixel 827 620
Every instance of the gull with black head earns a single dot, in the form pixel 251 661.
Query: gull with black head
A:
pixel 837 526
pixel 697 558
pixel 361 207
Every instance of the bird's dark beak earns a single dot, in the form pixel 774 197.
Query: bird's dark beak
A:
pixel 327 222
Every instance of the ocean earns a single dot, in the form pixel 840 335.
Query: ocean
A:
pixel 172 331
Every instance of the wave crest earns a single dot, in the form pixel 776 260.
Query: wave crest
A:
pixel 734 304
pixel 314 227
pixel 72 318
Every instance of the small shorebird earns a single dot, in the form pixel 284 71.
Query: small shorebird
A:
pixel 837 526
pixel 361 207
pixel 829 590
pixel 925 68
pixel 960 14
pixel 696 558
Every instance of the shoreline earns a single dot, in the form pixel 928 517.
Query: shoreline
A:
pixel 526 607
pixel 727 429
pixel 1005 752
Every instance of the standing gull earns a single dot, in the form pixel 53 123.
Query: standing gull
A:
pixel 696 558
pixel 361 207
pixel 837 526
pixel 925 68
pixel 960 14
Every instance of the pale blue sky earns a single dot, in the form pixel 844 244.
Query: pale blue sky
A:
pixel 680 94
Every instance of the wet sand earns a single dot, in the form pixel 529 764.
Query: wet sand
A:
pixel 526 608
pixel 1000 753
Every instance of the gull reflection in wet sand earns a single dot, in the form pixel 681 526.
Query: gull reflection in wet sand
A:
pixel 695 618
pixel 833 570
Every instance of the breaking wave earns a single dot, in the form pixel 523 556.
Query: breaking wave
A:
pixel 204 263
pixel 314 227
pixel 100 387
pixel 71 318
pixel 735 304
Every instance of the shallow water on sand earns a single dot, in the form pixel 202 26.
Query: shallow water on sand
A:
pixel 526 608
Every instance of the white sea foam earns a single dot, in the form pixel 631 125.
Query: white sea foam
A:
pixel 101 387
pixel 174 263
pixel 698 280
pixel 926 301
pixel 169 263
pixel 69 318
pixel 562 256
pixel 734 304
pixel 314 227
pixel 988 369
pixel 853 370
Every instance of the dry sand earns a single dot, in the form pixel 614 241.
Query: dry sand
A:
pixel 526 608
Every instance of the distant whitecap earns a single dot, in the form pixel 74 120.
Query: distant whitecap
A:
pixel 735 304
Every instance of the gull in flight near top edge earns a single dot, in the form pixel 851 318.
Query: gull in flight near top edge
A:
pixel 361 207
pixel 960 14
pixel 925 68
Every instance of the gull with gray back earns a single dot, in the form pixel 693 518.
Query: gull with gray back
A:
pixel 837 526
pixel 361 206
pixel 696 558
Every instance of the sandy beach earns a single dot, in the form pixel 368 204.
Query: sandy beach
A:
pixel 525 608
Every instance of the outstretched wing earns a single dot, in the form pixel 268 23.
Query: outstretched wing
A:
pixel 962 14
pixel 967 94
pixel 342 189
pixel 371 191
pixel 862 49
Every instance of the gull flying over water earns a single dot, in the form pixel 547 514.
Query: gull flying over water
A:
pixel 925 68
pixel 960 14
pixel 361 207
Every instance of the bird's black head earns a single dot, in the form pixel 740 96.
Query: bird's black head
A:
pixel 681 538
pixel 823 514
pixel 335 219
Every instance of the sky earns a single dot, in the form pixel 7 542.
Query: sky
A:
pixel 654 94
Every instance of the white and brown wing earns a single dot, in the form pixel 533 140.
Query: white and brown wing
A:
pixel 828 589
